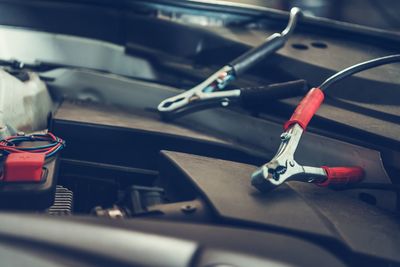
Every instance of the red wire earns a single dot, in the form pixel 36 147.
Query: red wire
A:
pixel 10 147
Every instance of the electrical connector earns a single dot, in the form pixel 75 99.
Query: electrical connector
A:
pixel 24 167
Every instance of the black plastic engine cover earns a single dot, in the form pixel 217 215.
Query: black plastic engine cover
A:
pixel 320 214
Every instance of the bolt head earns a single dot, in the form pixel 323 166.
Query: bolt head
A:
pixel 285 136
pixel 189 208
pixel 225 102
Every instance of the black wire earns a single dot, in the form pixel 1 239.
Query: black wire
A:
pixel 358 68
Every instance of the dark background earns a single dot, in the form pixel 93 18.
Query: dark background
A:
pixel 384 14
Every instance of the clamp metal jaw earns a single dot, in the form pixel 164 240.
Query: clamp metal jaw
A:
pixel 202 93
pixel 283 167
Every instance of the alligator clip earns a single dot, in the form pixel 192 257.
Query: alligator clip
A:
pixel 283 167
pixel 206 91
pixel 253 98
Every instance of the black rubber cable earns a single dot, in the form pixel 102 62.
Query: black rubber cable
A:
pixel 273 43
pixel 366 65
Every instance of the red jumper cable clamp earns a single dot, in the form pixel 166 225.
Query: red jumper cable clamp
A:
pixel 283 167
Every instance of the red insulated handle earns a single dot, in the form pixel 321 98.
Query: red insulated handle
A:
pixel 339 176
pixel 306 109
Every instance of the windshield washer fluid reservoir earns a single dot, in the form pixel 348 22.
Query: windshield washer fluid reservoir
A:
pixel 24 105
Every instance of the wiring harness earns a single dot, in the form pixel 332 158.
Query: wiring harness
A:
pixel 12 144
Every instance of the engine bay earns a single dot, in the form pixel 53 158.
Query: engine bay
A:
pixel 107 154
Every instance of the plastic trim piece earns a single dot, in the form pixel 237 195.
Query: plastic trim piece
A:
pixel 118 245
